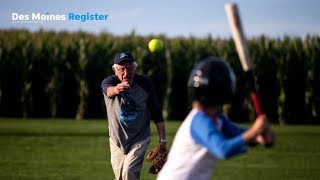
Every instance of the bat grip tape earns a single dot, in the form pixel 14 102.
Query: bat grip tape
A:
pixel 256 103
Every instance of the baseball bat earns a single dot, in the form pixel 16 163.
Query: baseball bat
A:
pixel 243 52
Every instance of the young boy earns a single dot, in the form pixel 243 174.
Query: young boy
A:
pixel 206 134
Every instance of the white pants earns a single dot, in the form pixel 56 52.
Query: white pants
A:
pixel 128 167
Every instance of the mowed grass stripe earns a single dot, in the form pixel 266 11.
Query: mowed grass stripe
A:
pixel 69 149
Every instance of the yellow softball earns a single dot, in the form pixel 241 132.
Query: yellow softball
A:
pixel 155 45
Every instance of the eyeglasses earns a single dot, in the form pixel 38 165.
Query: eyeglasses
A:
pixel 122 69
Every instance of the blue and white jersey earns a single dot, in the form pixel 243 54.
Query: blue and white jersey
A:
pixel 199 141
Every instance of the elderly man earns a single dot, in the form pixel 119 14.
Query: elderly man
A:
pixel 130 102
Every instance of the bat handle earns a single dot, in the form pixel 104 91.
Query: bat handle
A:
pixel 258 110
pixel 256 103
pixel 254 96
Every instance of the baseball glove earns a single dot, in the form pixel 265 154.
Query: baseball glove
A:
pixel 158 156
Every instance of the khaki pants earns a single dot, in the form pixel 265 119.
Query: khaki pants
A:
pixel 128 167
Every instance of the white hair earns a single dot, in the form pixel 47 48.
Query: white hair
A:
pixel 135 64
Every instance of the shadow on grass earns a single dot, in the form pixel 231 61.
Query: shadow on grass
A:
pixel 54 134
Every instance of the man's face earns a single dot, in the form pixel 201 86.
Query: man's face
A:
pixel 125 72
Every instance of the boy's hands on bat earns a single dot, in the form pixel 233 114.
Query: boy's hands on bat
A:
pixel 267 136
pixel 257 128
pixel 260 132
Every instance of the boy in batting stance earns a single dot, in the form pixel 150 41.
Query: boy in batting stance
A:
pixel 206 134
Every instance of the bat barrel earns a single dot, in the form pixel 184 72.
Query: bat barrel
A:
pixel 238 35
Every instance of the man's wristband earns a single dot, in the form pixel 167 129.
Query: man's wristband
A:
pixel 164 141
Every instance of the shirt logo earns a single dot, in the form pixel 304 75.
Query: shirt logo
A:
pixel 128 110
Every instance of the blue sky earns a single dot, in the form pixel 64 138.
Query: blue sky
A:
pixel 274 18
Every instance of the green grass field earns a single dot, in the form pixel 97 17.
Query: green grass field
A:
pixel 68 149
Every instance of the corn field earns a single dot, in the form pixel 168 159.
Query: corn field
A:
pixel 58 74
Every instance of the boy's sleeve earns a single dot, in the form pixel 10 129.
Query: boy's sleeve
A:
pixel 229 129
pixel 204 132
